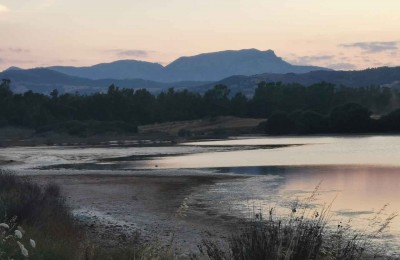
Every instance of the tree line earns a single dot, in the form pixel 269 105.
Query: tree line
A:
pixel 291 108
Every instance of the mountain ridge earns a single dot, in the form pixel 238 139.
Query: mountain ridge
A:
pixel 211 66
pixel 381 76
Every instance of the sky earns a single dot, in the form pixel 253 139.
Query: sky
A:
pixel 340 34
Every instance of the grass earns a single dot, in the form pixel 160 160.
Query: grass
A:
pixel 204 127
pixel 43 214
pixel 45 217
pixel 305 234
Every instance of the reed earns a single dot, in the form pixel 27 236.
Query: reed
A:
pixel 306 233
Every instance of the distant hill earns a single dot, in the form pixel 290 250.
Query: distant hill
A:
pixel 45 80
pixel 123 69
pixel 13 68
pixel 204 67
pixel 389 76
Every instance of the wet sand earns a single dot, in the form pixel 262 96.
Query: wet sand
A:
pixel 113 208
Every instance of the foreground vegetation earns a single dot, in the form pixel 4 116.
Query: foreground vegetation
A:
pixel 291 108
pixel 41 214
pixel 36 224
pixel 307 233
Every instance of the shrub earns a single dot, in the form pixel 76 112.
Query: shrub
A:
pixel 350 118
pixel 279 123
pixel 391 122
pixel 309 122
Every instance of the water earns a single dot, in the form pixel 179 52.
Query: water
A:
pixel 362 150
pixel 358 174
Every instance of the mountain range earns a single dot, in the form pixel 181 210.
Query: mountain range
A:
pixel 240 70
pixel 203 67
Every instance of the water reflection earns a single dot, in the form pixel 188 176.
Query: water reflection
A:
pixel 361 150
pixel 356 192
pixel 356 187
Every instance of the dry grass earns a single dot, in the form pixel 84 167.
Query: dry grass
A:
pixel 43 214
pixel 203 126
pixel 305 234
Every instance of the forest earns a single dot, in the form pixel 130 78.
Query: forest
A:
pixel 289 108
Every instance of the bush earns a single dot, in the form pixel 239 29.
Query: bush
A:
pixel 350 118
pixel 391 122
pixel 3 122
pixel 309 122
pixel 279 123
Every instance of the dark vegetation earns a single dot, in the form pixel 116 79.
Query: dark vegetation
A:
pixel 291 109
pixel 42 213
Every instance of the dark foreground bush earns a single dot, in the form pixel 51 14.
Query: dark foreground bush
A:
pixel 43 214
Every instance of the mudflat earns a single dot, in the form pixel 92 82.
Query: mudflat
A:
pixel 162 208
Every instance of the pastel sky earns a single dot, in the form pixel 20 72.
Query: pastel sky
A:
pixel 341 34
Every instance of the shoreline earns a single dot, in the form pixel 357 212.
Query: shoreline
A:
pixel 114 208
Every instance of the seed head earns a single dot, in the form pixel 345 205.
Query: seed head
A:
pixel 18 234
pixel 4 225
pixel 33 243
pixel 24 252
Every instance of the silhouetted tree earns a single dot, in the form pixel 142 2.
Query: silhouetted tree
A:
pixel 350 118
pixel 319 108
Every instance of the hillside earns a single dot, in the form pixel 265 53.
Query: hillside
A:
pixel 363 78
pixel 123 69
